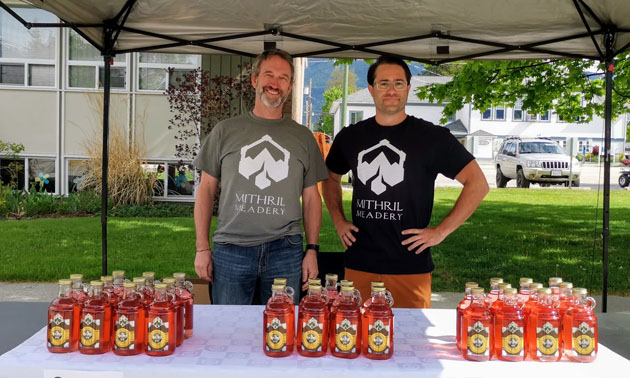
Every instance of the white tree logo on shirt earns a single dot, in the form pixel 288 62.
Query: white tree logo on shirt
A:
pixel 264 163
pixel 380 169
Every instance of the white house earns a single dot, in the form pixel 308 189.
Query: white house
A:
pixel 482 133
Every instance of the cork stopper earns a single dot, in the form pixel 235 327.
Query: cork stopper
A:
pixel 107 278
pixel 65 281
pixel 544 290
pixel 509 290
pixel 496 280
pixel 525 280
pixel 148 274
pixel 331 276
pixel 179 275
pixel 470 285
pixel 129 285
pixel 76 276
pixel 118 273
pixel 139 280
pixel 96 283
pixel 279 281
pixel 477 290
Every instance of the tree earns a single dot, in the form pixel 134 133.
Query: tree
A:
pixel 564 86
pixel 334 91
pixel 336 79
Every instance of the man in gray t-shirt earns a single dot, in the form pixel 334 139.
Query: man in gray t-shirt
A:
pixel 264 162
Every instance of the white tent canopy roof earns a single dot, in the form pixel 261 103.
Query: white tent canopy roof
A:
pixel 423 30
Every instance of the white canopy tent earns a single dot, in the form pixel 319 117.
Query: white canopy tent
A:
pixel 429 31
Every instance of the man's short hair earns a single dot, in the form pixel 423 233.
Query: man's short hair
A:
pixel 386 59
pixel 268 54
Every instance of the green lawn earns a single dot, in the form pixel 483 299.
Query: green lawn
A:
pixel 514 233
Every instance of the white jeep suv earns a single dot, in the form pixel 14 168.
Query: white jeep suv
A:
pixel 534 160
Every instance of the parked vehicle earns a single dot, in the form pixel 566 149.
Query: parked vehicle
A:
pixel 624 178
pixel 535 160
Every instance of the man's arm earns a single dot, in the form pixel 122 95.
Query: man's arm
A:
pixel 312 215
pixel 475 189
pixel 203 219
pixel 334 203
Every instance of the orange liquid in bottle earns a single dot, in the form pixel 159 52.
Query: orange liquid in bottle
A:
pixel 543 330
pixel 463 305
pixel 279 324
pixel 377 333
pixel 579 331
pixel 187 298
pixel 345 325
pixel 161 330
pixel 509 330
pixel 477 329
pixel 63 321
pixel 96 323
pixel 313 324
pixel 129 324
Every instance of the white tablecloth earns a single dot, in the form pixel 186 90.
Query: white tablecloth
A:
pixel 227 342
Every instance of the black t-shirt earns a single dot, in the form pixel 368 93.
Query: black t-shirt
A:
pixel 394 170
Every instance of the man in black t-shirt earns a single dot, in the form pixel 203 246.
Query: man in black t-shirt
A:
pixel 395 159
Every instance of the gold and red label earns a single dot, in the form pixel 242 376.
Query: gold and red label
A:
pixel 345 337
pixel 91 330
pixel 157 334
pixel 312 335
pixel 512 337
pixel 378 337
pixel 124 333
pixel 59 331
pixel 547 341
pixel 583 340
pixel 478 339
pixel 276 335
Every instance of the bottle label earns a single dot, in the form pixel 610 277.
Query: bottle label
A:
pixel 91 331
pixel 276 335
pixel 512 340
pixel 59 331
pixel 124 334
pixel 478 339
pixel 547 341
pixel 583 337
pixel 312 334
pixel 157 335
pixel 345 337
pixel 378 337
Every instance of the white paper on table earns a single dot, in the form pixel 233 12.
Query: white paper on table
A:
pixel 56 373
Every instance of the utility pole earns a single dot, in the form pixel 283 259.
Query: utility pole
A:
pixel 344 100
pixel 309 105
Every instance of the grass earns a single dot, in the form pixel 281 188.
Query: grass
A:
pixel 514 233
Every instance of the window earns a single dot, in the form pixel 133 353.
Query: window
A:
pixel 173 179
pixel 545 116
pixel 76 170
pixel 86 67
pixel 41 175
pixel 531 117
pixel 517 112
pixel 584 146
pixel 496 113
pixel 499 113
pixel 12 171
pixel 487 114
pixel 27 57
pixel 153 74
pixel 356 116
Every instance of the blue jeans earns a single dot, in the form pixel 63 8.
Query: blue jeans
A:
pixel 236 269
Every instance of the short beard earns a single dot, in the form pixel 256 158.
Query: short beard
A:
pixel 260 93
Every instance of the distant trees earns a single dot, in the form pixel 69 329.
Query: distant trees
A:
pixel 334 91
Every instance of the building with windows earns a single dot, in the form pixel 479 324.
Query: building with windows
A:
pixel 50 101
pixel 483 132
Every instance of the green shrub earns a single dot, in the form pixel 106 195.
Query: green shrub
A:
pixel 579 157
pixel 36 203
pixel 160 210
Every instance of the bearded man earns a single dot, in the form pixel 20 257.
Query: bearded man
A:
pixel 265 163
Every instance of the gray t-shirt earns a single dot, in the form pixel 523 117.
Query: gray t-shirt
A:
pixel 263 166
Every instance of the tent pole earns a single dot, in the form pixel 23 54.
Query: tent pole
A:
pixel 107 60
pixel 608 40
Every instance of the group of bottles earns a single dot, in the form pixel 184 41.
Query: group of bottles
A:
pixel 536 322
pixel 126 317
pixel 329 317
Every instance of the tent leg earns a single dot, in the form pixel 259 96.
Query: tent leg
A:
pixel 609 39
pixel 105 162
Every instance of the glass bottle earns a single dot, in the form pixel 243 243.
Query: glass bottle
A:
pixel 499 301
pixel 186 294
pixel 147 295
pixel 493 295
pixel 377 325
pixel 119 280
pixel 357 293
pixel 108 286
pixel 523 292
pixel 311 281
pixel 388 295
pixel 580 332
pixel 532 301
pixel 149 284
pixel 79 290
pixel 509 329
pixel 554 285
pixel 543 329
pixel 179 308
pixel 96 322
pixel 129 319
pixel 345 325
pixel 313 320
pixel 565 298
pixel 161 333
pixel 63 321
pixel 477 328
pixel 279 323
pixel 463 305
pixel 288 289
pixel 331 288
